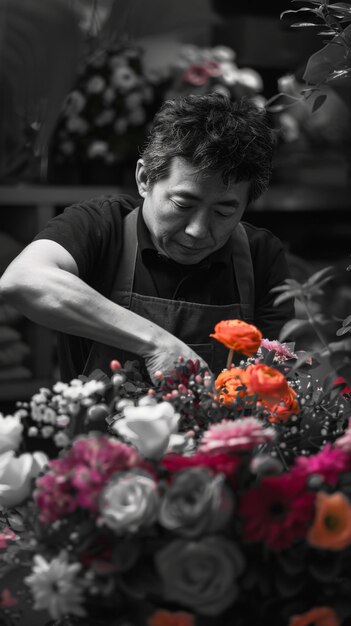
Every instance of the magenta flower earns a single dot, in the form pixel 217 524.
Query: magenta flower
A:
pixel 234 436
pixel 278 511
pixel 329 463
pixel 76 479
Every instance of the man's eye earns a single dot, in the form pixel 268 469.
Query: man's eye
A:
pixel 220 214
pixel 181 205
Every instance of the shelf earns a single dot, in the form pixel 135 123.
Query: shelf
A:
pixel 11 390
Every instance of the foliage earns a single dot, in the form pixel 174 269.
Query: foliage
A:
pixel 332 63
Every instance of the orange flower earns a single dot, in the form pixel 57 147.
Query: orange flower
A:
pixel 228 381
pixel 166 618
pixel 320 616
pixel 332 523
pixel 285 408
pixel 267 382
pixel 238 335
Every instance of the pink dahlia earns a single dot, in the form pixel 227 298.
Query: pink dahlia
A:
pixel 278 511
pixel 329 463
pixel 233 436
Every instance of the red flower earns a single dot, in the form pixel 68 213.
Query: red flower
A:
pixel 238 335
pixel 282 410
pixel 319 616
pixel 269 384
pixel 218 463
pixel 347 389
pixel 277 511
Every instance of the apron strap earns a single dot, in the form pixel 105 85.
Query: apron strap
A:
pixel 243 269
pixel 124 278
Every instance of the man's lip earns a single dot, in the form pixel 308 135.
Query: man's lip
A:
pixel 192 248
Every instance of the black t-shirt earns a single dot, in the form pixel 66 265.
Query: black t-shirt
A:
pixel 91 233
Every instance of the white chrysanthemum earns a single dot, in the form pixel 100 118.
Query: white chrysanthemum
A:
pixel 55 586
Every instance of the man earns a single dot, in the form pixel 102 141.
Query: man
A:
pixel 150 282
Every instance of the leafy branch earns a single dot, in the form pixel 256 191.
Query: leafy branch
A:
pixel 332 61
pixel 338 352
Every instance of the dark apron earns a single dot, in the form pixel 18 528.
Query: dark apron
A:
pixel 189 321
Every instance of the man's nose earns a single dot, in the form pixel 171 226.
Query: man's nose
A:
pixel 198 225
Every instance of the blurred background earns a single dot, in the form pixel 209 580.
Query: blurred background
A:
pixel 80 81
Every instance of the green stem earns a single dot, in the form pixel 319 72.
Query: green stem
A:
pixel 230 358
pixel 311 320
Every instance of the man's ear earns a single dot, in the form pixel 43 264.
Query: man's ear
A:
pixel 141 178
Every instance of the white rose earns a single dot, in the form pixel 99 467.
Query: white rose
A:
pixel 148 428
pixel 17 474
pixel 129 501
pixel 10 432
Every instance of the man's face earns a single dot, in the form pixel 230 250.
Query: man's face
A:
pixel 190 215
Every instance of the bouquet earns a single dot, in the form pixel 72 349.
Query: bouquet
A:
pixel 180 503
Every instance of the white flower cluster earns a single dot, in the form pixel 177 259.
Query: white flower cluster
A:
pixel 110 100
pixel 52 410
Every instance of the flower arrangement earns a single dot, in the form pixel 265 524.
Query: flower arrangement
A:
pixel 105 117
pixel 179 503
pixel 201 70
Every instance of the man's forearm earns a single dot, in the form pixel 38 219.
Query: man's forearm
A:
pixel 62 301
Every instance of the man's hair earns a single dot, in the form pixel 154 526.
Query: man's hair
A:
pixel 215 135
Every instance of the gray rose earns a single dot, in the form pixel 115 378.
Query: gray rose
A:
pixel 201 575
pixel 196 502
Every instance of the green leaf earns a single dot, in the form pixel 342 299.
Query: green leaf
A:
pixel 342 331
pixel 291 326
pixel 284 297
pixel 331 57
pixel 340 7
pixel 318 102
pixel 299 11
pixel 317 276
pixel 303 25
pixel 302 360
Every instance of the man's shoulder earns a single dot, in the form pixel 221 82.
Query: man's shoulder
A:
pixel 120 204
pixel 261 237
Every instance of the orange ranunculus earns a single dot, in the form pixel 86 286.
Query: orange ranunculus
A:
pixel 281 410
pixel 238 335
pixel 166 618
pixel 267 382
pixel 331 528
pixel 228 381
pixel 320 616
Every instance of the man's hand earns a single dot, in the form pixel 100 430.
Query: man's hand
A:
pixel 166 353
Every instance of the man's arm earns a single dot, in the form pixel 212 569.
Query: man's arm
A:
pixel 43 283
